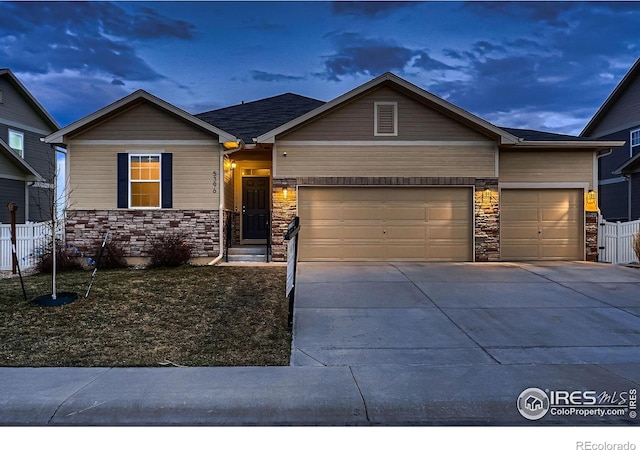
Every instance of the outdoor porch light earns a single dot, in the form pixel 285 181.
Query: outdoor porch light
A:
pixel 591 201
pixel 233 165
pixel 487 198
pixel 285 192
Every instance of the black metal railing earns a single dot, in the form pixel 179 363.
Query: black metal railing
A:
pixel 229 230
pixel 268 244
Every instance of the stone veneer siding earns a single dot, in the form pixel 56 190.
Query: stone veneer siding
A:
pixel 591 236
pixel 486 223
pixel 487 220
pixel 136 229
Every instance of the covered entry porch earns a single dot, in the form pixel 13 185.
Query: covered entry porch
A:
pixel 247 205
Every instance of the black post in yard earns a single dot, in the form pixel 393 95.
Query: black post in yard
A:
pixel 292 265
pixel 15 264
pixel 95 269
pixel 12 212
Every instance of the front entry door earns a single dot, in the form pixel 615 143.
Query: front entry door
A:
pixel 255 207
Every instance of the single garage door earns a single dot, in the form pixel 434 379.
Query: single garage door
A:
pixel 541 224
pixel 385 223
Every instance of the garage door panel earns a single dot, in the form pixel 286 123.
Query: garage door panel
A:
pixel 451 233
pixel 444 213
pixel 558 251
pixel 406 212
pixel 358 212
pixel 360 251
pixel 515 250
pixel 317 231
pixel 406 232
pixel 325 212
pixel 404 252
pixel 321 250
pixel 519 213
pixel 560 215
pixel 539 224
pixel 357 231
pixel 387 223
pixel 447 252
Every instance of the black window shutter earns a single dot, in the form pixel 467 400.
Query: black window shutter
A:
pixel 167 182
pixel 123 180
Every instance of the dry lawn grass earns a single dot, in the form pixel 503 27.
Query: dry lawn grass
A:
pixel 189 316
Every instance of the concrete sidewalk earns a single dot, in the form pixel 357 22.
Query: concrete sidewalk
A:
pixel 382 344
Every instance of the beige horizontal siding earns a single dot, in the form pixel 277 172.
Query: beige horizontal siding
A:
pixel 93 176
pixel 354 121
pixel 144 121
pixel 552 166
pixel 385 161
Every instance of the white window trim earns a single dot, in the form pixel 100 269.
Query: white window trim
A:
pixel 159 155
pixel 20 151
pixel 631 146
pixel 375 118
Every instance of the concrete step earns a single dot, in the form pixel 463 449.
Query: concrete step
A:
pixel 246 250
pixel 247 258
pixel 248 253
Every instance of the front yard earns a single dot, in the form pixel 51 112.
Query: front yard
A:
pixel 189 316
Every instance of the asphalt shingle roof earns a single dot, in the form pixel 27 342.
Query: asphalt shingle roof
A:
pixel 533 136
pixel 252 119
pixel 249 120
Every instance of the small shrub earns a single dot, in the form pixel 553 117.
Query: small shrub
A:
pixel 636 244
pixel 67 259
pixel 170 250
pixel 113 256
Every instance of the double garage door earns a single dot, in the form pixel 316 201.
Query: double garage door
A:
pixel 435 224
pixel 385 223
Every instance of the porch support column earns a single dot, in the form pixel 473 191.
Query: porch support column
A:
pixel 284 209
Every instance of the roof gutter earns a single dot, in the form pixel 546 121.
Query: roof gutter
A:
pixel 586 145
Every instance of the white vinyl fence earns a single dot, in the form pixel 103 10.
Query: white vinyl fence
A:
pixel 615 241
pixel 31 239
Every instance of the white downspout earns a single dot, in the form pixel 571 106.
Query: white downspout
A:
pixel 217 259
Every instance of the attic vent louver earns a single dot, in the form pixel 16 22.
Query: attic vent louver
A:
pixel 386 119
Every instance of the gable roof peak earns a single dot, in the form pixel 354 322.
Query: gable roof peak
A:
pixel 59 137
pixel 449 108
pixel 617 92
pixel 29 97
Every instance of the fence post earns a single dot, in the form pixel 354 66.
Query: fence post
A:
pixel 617 257
pixel 14 240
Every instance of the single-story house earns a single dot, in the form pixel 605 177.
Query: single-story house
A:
pixel 387 171
pixel 619 175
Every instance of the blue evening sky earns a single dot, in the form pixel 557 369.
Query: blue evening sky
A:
pixel 540 65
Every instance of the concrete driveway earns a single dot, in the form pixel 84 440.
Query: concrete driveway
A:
pixel 363 314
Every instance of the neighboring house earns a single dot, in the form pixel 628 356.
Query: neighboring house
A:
pixel 387 171
pixel 619 172
pixel 27 165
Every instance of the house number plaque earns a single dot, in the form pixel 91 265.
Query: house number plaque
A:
pixel 215 182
